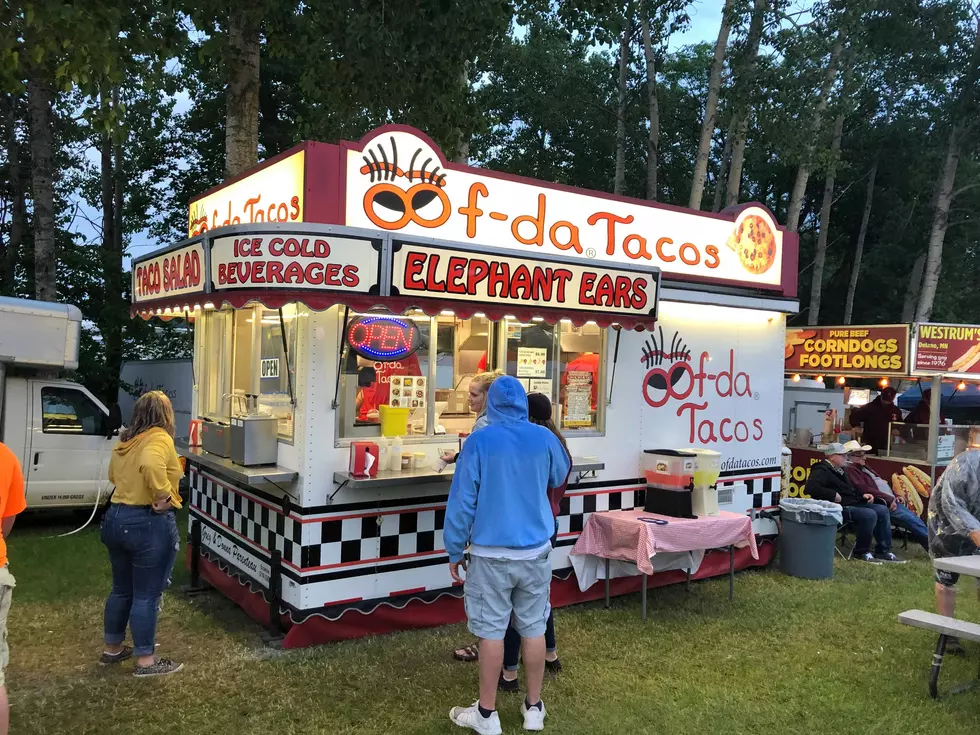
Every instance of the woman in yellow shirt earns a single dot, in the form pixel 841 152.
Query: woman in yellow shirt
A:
pixel 140 531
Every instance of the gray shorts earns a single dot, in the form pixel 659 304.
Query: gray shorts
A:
pixel 497 590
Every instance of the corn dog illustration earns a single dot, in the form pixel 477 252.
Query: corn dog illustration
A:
pixel 968 359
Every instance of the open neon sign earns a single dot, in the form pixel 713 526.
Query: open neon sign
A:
pixel 383 338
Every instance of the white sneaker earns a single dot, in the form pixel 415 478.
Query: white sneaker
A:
pixel 533 717
pixel 470 717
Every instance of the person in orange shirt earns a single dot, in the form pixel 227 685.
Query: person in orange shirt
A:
pixel 12 502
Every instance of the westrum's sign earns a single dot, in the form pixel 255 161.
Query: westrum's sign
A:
pixel 856 350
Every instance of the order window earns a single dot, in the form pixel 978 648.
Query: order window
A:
pixel 68 411
pixel 244 354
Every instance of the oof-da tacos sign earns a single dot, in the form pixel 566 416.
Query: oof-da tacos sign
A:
pixel 397 181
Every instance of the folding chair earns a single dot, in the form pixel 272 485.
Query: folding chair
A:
pixel 844 543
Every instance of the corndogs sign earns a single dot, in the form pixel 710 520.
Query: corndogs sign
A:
pixel 435 271
pixel 295 261
pixel 848 350
pixel 177 273
pixel 950 349
pixel 397 181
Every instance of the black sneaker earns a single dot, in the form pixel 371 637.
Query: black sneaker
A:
pixel 889 557
pixel 108 659
pixel 162 667
pixel 511 686
pixel 868 557
pixel 553 667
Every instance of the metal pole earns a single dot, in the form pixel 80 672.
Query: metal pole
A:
pixel 731 572
pixel 937 664
pixel 934 404
pixel 643 598
pixel 607 584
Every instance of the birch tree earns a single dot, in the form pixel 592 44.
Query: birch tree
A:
pixel 859 245
pixel 820 257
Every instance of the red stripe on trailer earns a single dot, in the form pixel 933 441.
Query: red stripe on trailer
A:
pixel 413 591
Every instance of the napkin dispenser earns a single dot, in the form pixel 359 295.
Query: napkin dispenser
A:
pixel 364 459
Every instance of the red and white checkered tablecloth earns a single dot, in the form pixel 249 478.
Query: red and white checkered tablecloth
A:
pixel 619 535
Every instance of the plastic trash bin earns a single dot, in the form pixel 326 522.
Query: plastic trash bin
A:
pixel 806 542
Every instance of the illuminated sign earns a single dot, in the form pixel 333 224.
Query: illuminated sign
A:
pixel 383 338
pixel 295 260
pixel 848 350
pixel 475 276
pixel 177 273
pixel 271 194
pixel 397 182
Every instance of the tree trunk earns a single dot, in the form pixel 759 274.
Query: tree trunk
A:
pixel 746 82
pixel 726 158
pixel 242 97
pixel 912 292
pixel 462 137
pixel 18 204
pixel 619 182
pixel 803 173
pixel 710 109
pixel 816 288
pixel 40 101
pixel 653 103
pixel 940 221
pixel 114 312
pixel 859 246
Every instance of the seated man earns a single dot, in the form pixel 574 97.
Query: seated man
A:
pixel 828 481
pixel 954 526
pixel 868 482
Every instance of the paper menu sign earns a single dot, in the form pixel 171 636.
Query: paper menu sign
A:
pixel 532 362
pixel 578 411
pixel 407 391
pixel 537 385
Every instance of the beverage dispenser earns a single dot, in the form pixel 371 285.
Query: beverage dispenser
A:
pixel 706 472
pixel 670 482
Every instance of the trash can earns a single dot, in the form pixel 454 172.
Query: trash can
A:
pixel 806 541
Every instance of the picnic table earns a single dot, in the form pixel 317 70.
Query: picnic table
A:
pixel 968 565
pixel 642 543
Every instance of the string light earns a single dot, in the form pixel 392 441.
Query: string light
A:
pixel 961 385
pixel 819 378
pixel 841 380
pixel 796 378
pixel 883 382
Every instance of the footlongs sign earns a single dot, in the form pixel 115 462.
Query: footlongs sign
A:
pixel 951 349
pixel 174 274
pixel 848 349
pixel 396 181
pixel 295 260
pixel 480 276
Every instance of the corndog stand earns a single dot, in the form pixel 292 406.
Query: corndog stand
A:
pixel 340 289
pixel 938 357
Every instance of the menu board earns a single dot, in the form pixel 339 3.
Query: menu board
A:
pixel 532 362
pixel 950 349
pixel 407 391
pixel 578 402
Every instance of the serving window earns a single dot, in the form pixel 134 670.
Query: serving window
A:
pixel 244 353
pixel 431 385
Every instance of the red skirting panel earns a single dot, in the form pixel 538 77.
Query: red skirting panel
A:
pixel 446 610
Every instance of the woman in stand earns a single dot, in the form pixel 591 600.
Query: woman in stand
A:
pixel 140 531
pixel 479 385
pixel 539 412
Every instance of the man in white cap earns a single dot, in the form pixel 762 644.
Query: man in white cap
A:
pixel 869 482
pixel 828 481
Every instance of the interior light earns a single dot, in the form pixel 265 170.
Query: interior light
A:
pixel 510 316
pixel 566 321
pixel 447 312
pixel 209 305
pixel 480 314
pixel 159 312
pixel 841 380
pixel 591 322
pixel 197 307
pixel 796 378
pixel 537 318
pixel 883 382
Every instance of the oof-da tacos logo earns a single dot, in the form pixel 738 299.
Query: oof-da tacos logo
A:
pixel 671 377
pixel 402 196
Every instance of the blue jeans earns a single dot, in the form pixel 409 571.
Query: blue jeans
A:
pixel 870 519
pixel 903 518
pixel 142 548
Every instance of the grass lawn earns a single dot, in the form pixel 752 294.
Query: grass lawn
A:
pixel 787 656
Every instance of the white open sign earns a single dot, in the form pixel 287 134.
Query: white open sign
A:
pixel 270 367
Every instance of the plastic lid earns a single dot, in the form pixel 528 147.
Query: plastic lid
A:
pixel 670 452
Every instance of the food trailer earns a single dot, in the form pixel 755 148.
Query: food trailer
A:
pixel 345 295
pixel 941 358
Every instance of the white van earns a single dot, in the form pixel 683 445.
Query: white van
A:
pixel 62 434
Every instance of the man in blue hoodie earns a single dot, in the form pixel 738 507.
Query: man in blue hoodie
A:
pixel 499 505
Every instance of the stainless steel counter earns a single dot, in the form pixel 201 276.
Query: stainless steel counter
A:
pixel 427 476
pixel 258 477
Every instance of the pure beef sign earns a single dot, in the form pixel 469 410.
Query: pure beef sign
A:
pixel 478 276
pixel 178 273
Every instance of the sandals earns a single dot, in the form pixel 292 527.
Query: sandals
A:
pixel 468 653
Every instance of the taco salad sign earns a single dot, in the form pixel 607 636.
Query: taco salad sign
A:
pixel 398 184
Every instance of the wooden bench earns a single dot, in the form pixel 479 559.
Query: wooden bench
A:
pixel 946 627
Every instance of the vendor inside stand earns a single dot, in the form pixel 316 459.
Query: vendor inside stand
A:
pixel 562 361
